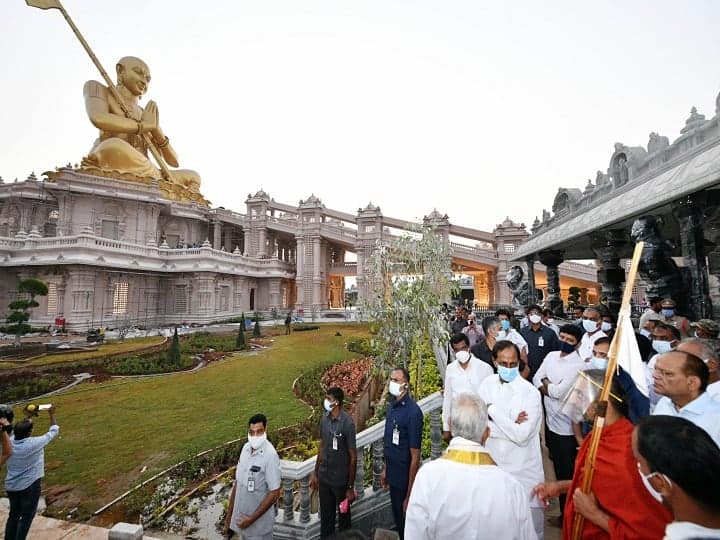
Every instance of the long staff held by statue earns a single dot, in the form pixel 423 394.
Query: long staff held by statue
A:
pixel 55 4
pixel 624 326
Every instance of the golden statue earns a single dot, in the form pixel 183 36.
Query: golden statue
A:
pixel 122 145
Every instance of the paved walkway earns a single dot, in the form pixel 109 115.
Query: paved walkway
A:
pixel 44 528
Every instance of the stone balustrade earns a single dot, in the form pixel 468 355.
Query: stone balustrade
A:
pixel 372 507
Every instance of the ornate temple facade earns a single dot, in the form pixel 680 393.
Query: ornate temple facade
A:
pixel 665 194
pixel 113 250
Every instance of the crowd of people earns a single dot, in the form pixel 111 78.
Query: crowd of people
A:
pixel 506 393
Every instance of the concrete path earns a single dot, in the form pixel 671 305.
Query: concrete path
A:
pixel 44 528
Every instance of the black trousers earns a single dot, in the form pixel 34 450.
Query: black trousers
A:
pixel 564 450
pixel 330 498
pixel 23 505
pixel 397 498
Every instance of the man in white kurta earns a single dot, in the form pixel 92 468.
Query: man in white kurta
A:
pixel 515 420
pixel 464 494
pixel 464 374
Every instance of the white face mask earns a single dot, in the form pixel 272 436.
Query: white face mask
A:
pixel 646 482
pixel 589 326
pixel 535 318
pixel 661 346
pixel 395 388
pixel 462 356
pixel 605 326
pixel 599 363
pixel 329 406
pixel 550 321
pixel 645 333
pixel 256 441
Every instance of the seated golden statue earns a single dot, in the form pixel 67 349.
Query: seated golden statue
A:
pixel 120 146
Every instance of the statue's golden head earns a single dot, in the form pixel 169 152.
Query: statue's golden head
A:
pixel 133 74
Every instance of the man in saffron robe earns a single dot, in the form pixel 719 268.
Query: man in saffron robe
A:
pixel 618 505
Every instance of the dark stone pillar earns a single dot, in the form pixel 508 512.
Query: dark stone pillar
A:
pixel 532 291
pixel 551 260
pixel 689 214
pixel 609 246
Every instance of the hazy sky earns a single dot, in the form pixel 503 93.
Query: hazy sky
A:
pixel 480 109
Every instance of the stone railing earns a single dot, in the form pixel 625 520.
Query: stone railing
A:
pixel 475 251
pixel 372 507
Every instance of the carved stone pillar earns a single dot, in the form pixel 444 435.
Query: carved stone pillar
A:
pixel 609 247
pixel 435 434
pixel 305 499
pixel 217 234
pixel 712 234
pixel 688 212
pixel 288 485
pixel 530 261
pixel 360 472
pixel 551 260
pixel 378 463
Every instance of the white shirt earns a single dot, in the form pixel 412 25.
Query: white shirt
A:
pixel 714 390
pixel 514 336
pixel 467 501
pixel 684 530
pixel 703 411
pixel 561 371
pixel 515 447
pixel 459 380
pixel 586 344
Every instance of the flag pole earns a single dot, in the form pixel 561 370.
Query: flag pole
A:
pixel 55 4
pixel 589 468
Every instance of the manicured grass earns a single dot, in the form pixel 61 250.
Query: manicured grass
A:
pixel 109 431
pixel 114 347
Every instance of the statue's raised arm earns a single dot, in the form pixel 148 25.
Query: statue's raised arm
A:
pixel 120 146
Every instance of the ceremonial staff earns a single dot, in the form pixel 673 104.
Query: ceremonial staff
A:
pixel 55 4
pixel 604 394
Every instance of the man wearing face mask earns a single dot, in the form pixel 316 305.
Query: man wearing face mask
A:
pixel 251 509
pixel 680 466
pixel 465 374
pixel 617 505
pixel 515 419
pixel 682 379
pixel 402 441
pixel 472 330
pixel 592 324
pixel 509 333
pixel 670 317
pixel 540 339
pixel 554 378
pixel 334 475
pixel 664 339
pixel 652 313
pixel 548 319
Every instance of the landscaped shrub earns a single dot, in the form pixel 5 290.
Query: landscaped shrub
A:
pixel 29 386
pixel 305 327
pixel 200 342
pixel 134 365
pixel 362 345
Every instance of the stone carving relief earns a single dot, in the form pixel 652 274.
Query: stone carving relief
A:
pixel 657 143
pixel 657 267
pixel 519 288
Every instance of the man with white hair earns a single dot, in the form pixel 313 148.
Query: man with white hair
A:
pixel 464 494
pixel 706 351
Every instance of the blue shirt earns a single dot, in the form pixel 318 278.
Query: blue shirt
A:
pixel 406 416
pixel 702 411
pixel 27 462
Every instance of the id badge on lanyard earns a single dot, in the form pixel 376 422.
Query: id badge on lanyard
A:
pixel 334 443
pixel 396 436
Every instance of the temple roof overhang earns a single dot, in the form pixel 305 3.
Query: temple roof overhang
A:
pixel 572 234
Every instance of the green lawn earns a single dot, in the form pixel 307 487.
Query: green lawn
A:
pixel 109 431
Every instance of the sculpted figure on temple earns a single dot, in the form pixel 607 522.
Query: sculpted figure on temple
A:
pixel 657 142
pixel 120 147
pixel 657 267
pixel 518 288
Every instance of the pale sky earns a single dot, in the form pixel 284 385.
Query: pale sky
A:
pixel 478 109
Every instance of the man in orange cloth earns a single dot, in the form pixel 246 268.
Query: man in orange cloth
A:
pixel 618 505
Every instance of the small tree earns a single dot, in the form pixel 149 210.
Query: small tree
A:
pixel 410 278
pixel 21 309
pixel 240 343
pixel 256 328
pixel 574 296
pixel 173 354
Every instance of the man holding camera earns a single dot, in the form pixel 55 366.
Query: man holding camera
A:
pixel 6 417
pixel 25 469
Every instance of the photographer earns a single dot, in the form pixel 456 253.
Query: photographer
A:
pixel 25 469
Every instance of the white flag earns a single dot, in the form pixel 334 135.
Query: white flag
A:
pixel 628 354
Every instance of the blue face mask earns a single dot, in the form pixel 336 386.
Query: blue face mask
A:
pixel 599 363
pixel 661 347
pixel 667 313
pixel 566 347
pixel 505 324
pixel 508 374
